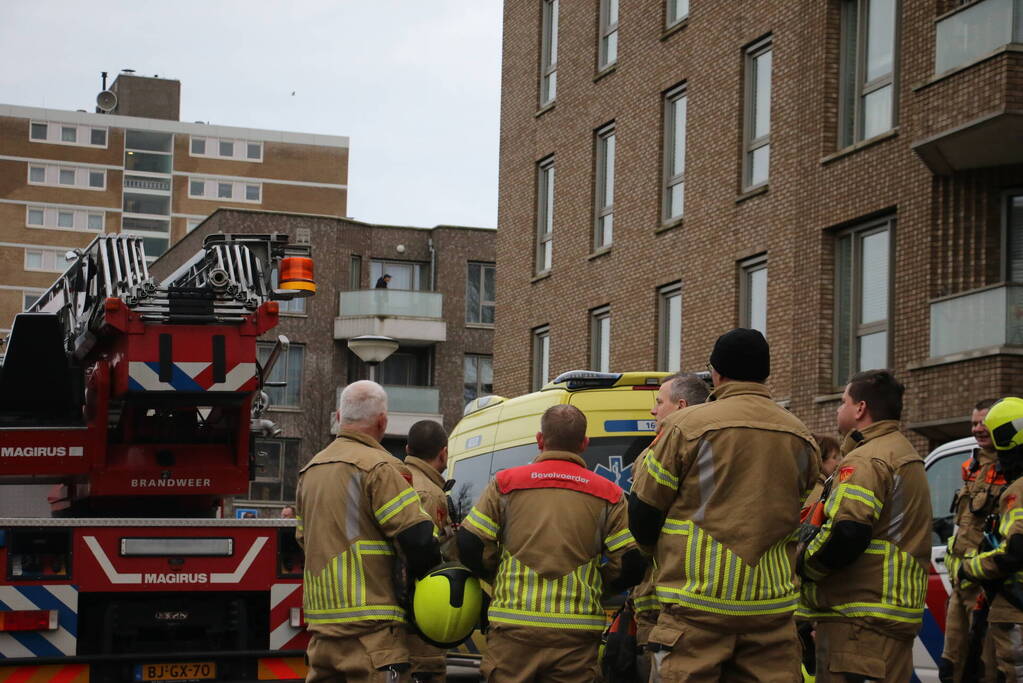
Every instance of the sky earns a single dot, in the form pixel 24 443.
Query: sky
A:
pixel 414 84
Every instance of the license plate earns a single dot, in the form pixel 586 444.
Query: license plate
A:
pixel 178 671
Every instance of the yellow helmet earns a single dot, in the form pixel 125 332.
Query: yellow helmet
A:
pixel 1005 423
pixel 446 605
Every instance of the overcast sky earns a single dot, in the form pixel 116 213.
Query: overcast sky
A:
pixel 414 84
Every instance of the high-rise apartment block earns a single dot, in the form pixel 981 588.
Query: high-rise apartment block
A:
pixel 133 167
pixel 844 175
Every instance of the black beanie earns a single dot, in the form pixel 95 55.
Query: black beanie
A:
pixel 742 355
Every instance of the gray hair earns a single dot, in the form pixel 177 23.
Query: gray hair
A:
pixel 362 402
pixel 688 387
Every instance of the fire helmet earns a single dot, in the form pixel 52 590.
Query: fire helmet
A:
pixel 447 604
pixel 1005 423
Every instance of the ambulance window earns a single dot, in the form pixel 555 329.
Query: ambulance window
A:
pixel 471 477
pixel 945 476
pixel 612 457
pixel 513 457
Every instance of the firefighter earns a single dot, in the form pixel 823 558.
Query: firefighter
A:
pixel 676 392
pixel 865 571
pixel 999 570
pixel 354 507
pixel 545 529
pixel 426 456
pixel 983 485
pixel 719 495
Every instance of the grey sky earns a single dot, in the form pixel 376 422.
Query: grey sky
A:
pixel 415 84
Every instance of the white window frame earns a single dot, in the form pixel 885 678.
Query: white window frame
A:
pixel 854 88
pixel 80 218
pixel 541 371
pixel 81 176
pixel 478 359
pixel 544 260
pixel 755 141
pixel 211 189
pixel 480 286
pixel 549 52
pixel 847 322
pixel 50 260
pixel 603 222
pixel 668 297
pixel 239 152
pixel 748 269
pixel 27 292
pixel 600 339
pixel 82 133
pixel 282 370
pixel 675 12
pixel 608 49
pixel 674 146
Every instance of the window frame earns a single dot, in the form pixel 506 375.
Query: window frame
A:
pixel 481 285
pixel 53 134
pixel 50 218
pixel 212 147
pixel 545 182
pixel 853 91
pixel 747 268
pixel 56 257
pixel 850 325
pixel 286 359
pixel 751 142
pixel 671 98
pixel 1007 243
pixel 600 338
pixel 672 16
pixel 608 35
pixel 541 356
pixel 81 176
pixel 606 147
pixel 665 295
pixel 477 359
pixel 211 189
pixel 548 81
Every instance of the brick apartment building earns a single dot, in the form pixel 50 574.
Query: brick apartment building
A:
pixel 439 306
pixel 66 176
pixel 845 175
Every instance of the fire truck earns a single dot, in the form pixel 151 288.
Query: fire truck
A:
pixel 137 402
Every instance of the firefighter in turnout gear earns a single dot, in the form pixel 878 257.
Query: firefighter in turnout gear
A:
pixel 983 485
pixel 540 533
pixel 719 495
pixel 1000 571
pixel 426 456
pixel 865 572
pixel 356 511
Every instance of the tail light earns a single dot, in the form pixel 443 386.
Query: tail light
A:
pixel 28 620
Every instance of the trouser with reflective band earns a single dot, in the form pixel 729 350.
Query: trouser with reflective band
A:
pixel 521 655
pixel 848 652
pixel 1008 647
pixel 376 657
pixel 961 602
pixel 427 659
pixel 695 654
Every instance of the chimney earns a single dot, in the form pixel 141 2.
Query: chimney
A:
pixel 154 98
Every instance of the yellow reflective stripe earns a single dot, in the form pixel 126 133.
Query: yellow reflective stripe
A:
pixel 558 620
pixel 373 548
pixel 646 603
pixel 350 614
pixel 706 603
pixel 906 615
pixel 396 505
pixel 619 540
pixel 677 526
pixel 660 474
pixel 518 587
pixel 856 493
pixel 483 523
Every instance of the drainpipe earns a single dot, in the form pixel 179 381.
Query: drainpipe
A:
pixel 433 265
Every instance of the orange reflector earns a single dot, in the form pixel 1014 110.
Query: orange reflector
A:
pixel 29 620
pixel 282 668
pixel 296 272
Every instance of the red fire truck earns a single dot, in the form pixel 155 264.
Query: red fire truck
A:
pixel 137 401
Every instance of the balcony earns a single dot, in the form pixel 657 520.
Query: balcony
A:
pixel 981 320
pixel 971 111
pixel 411 317
pixel 405 407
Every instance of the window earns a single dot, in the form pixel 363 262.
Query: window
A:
pixel 480 293
pixel 549 53
pixel 224 190
pixel 35 217
pixel 144 203
pixel 479 377
pixel 753 294
pixel 252 193
pixel 36 174
pixel 410 275
pixel 46 260
pixel 196 188
pixel 541 356
pixel 198 146
pixel 226 148
pixel 94 221
pixel 63 219
pixel 355 273
pixel 1014 241
pixel 28 298
pixel 677 10
pixel 669 343
pixel 674 153
pixel 757 127
pixel 96 179
pixel 409 366
pixel 608 33
pixel 288 369
pixel 862 266
pixel 38 131
pixel 67 134
pixel 155 233
pixel 212 188
pixel 867 101
pixel 253 151
pixel 605 190
pixel 600 339
pixel 545 216
pixel 98 137
pixel 68 176
pixel 191 224
pixel 275 470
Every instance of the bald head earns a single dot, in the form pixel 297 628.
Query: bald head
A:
pixel 364 408
pixel 563 428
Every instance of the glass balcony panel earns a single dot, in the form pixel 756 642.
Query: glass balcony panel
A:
pixel 391 302
pixel 149 163
pixel 412 399
pixel 977 320
pixel 976 31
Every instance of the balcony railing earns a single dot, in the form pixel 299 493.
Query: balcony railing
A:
pixel 975 31
pixel 391 302
pixel 980 319
pixel 424 400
